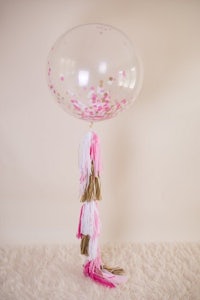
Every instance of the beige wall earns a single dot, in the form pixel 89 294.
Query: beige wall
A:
pixel 151 152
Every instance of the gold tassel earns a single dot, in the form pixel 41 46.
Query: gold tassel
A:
pixel 97 188
pixel 93 190
pixel 84 244
pixel 115 271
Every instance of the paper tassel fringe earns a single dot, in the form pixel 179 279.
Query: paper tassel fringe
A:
pixel 89 222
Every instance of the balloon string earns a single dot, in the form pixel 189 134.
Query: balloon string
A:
pixel 91 124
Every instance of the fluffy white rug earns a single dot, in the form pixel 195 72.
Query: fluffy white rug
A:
pixel 156 271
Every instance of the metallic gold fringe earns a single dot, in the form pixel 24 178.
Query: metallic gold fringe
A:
pixel 93 190
pixel 84 244
pixel 115 271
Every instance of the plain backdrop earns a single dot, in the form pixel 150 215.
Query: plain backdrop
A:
pixel 151 153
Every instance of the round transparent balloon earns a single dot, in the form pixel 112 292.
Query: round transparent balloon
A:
pixel 93 72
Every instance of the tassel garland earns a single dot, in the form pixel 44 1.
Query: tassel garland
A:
pixel 89 222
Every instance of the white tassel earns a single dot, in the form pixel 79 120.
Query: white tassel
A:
pixel 90 225
pixel 93 249
pixel 87 220
pixel 85 162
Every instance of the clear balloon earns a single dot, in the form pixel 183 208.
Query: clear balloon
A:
pixel 93 72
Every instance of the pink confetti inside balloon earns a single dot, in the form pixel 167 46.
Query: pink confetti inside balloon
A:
pixel 93 72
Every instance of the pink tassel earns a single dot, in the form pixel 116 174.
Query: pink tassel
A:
pixel 93 270
pixel 96 274
pixel 96 222
pixel 79 235
pixel 95 154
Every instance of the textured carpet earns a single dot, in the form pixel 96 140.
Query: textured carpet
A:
pixel 155 271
